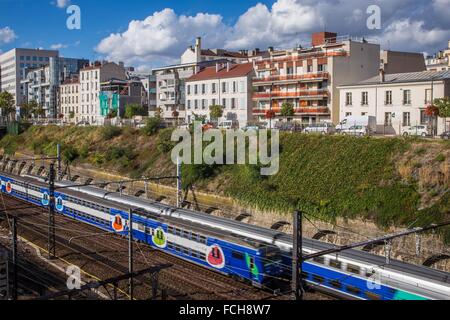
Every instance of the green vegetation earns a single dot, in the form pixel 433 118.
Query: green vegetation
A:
pixel 383 180
pixel 215 112
pixel 132 110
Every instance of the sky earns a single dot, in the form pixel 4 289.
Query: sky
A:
pixel 151 33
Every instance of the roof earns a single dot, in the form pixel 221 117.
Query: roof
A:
pixel 71 81
pixel 223 53
pixel 409 77
pixel 209 73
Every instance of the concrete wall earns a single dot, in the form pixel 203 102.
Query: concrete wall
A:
pixel 400 62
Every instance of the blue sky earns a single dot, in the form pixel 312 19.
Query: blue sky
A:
pixel 163 29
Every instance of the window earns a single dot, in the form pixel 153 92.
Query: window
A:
pixel 203 88
pixel 224 103
pixel 318 279
pixel 195 89
pixel 237 255
pixel 336 284
pixel 424 119
pixel 335 264
pixel 310 68
pixel 388 119
pixel 188 89
pixel 364 98
pixel 353 269
pixel 406 119
pixel 348 114
pixel 388 98
pixel 213 88
pixel 233 103
pixel 373 296
pixel 290 70
pixel 406 97
pixel 320 260
pixel 348 99
pixel 224 87
pixel 353 290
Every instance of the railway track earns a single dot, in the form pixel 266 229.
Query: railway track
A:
pixel 107 256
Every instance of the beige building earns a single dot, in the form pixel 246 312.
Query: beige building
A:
pixel 308 78
pixel 440 61
pixel 397 100
pixel 69 99
pixel 399 62
pixel 225 84
pixel 90 79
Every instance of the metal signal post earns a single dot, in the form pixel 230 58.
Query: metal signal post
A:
pixel 297 257
pixel 51 214
pixel 130 252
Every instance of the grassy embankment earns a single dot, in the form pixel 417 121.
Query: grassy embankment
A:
pixel 389 181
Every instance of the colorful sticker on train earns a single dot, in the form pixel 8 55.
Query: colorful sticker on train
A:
pixel 118 224
pixel 160 238
pixel 215 257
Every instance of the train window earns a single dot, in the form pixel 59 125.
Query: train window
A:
pixel 252 263
pixel 320 260
pixel 177 248
pixel 194 237
pixel 318 278
pixel 185 234
pixel 354 290
pixel 353 269
pixel 178 232
pixel 186 251
pixel 203 239
pixel 237 255
pixel 336 284
pixel 305 274
pixel 170 229
pixel 335 264
pixel 373 296
pixel 141 227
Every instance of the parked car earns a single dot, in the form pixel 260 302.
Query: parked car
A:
pixel 207 127
pixel 254 127
pixel 369 122
pixel 446 135
pixel 228 124
pixel 83 124
pixel 415 131
pixel 322 128
pixel 355 131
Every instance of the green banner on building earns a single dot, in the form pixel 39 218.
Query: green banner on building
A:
pixel 108 102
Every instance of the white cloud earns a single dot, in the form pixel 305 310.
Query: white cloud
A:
pixel 281 25
pixel 61 3
pixel 412 35
pixel 7 35
pixel 163 35
pixel 58 46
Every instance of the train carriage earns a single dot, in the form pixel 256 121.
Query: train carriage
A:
pixel 221 251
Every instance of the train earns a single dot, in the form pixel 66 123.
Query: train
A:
pixel 260 254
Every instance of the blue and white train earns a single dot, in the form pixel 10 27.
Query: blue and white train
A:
pixel 352 274
pixel 248 259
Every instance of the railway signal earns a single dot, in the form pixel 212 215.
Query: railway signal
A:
pixel 51 213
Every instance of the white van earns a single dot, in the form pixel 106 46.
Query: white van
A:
pixel 228 124
pixel 366 121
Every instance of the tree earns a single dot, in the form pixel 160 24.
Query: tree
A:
pixel 215 112
pixel 152 126
pixel 7 104
pixel 38 111
pixel 443 104
pixel 112 114
pixel 132 110
pixel 270 114
pixel 175 114
pixel 287 110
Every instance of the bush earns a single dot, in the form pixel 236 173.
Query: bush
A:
pixel 9 144
pixel 69 154
pixel 152 126
pixel 110 132
pixel 165 143
pixel 440 158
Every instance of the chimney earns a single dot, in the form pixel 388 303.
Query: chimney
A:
pixel 197 69
pixel 382 76
pixel 228 66
pixel 217 67
pixel 198 43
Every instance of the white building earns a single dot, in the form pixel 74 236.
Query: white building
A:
pixel 69 98
pixel 228 85
pixel 90 79
pixel 440 61
pixel 396 100
pixel 13 64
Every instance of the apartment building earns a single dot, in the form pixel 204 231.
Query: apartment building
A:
pixel 196 54
pixel 116 94
pixel 41 85
pixel 149 92
pixel 308 78
pixel 440 61
pixel 397 100
pixel 13 65
pixel 69 98
pixel 91 77
pixel 225 84
pixel 170 80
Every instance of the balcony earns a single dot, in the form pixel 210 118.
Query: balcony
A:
pixel 303 56
pixel 320 76
pixel 303 94
pixel 298 111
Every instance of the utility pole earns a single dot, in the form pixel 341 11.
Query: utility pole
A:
pixel 297 257
pixel 58 152
pixel 179 184
pixel 14 258
pixel 51 213
pixel 130 253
